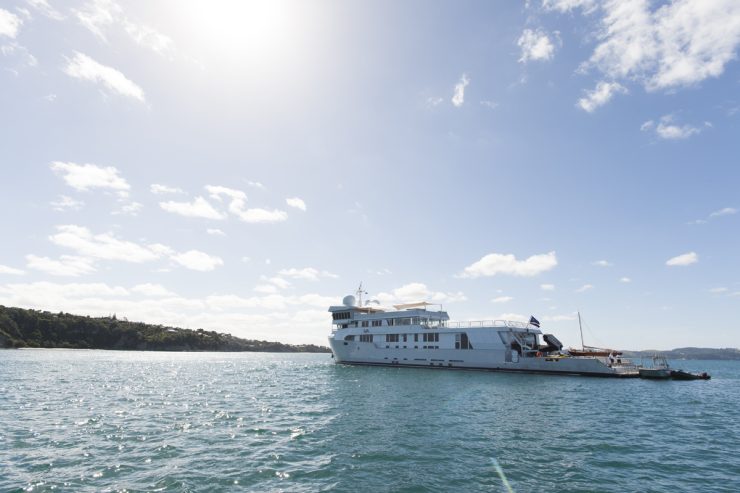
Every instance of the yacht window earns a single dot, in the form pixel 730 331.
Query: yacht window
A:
pixel 431 337
pixel 390 321
pixel 462 341
pixel 377 323
pixel 349 338
pixel 366 338
pixel 364 323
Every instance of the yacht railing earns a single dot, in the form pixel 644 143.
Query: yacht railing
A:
pixel 446 324
pixel 485 323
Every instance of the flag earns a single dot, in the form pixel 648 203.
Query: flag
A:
pixel 534 321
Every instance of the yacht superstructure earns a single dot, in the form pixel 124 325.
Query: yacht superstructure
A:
pixel 414 335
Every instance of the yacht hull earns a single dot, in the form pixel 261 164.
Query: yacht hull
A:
pixel 353 353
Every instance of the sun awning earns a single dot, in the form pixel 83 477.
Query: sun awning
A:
pixel 406 306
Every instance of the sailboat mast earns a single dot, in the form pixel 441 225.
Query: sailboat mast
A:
pixel 580 328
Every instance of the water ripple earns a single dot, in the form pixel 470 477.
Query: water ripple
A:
pixel 127 421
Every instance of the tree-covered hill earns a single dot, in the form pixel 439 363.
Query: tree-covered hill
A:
pixel 39 329
pixel 689 353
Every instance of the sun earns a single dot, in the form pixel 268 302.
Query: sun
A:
pixel 248 30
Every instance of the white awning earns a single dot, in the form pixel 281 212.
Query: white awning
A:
pixel 406 306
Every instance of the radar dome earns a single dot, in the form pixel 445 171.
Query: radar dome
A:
pixel 349 300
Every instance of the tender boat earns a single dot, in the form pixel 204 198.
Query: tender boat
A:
pixel 413 335
pixel 659 371
pixel 684 375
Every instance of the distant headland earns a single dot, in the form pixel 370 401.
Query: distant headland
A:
pixel 22 328
pixel 689 353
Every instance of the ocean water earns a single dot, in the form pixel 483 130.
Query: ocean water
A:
pixel 138 421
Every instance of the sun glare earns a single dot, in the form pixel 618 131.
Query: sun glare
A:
pixel 255 30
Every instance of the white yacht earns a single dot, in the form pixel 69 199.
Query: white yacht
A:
pixel 414 335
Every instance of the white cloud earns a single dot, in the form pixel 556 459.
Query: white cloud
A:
pixel 727 211
pixel 307 273
pixel 130 209
pixel 85 177
pixel 9 24
pixel 718 290
pixel 433 101
pixel 40 292
pixel 237 204
pixel 262 216
pixel 152 290
pixel 502 299
pixel 547 287
pixel 199 207
pixel 600 95
pixel 602 263
pixel 197 260
pixel 44 8
pixel 100 15
pixel 266 289
pixel 97 15
pixel 158 189
pixel 104 246
pixel 497 263
pixel 584 288
pixel 458 97
pixel 667 129
pixel 682 260
pixel 215 232
pixel 277 281
pixel 4 269
pixel 535 45
pixel 83 67
pixel 66 265
pixel 238 198
pixel 66 203
pixel 666 45
pixel 296 319
pixel 492 105
pixel 417 291
pixel 569 5
pixel 149 37
pixel 20 56
pixel 296 202
pixel 675 132
pixel 255 184
pixel 625 279
pixel 513 317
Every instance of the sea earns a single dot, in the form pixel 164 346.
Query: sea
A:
pixel 78 420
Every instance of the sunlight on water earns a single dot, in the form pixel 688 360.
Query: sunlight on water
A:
pixel 98 420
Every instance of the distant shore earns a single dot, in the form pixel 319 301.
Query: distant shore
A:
pixel 727 354
pixel 22 328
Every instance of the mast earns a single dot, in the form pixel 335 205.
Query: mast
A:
pixel 580 328
pixel 360 292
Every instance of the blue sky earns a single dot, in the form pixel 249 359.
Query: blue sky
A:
pixel 239 166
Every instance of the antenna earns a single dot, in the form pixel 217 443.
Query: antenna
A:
pixel 581 329
pixel 360 292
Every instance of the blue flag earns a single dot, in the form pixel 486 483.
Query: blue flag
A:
pixel 534 321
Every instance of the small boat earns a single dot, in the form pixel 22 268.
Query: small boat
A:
pixel 591 350
pixel 659 371
pixel 684 375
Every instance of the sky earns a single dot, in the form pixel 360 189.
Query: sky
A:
pixel 240 166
